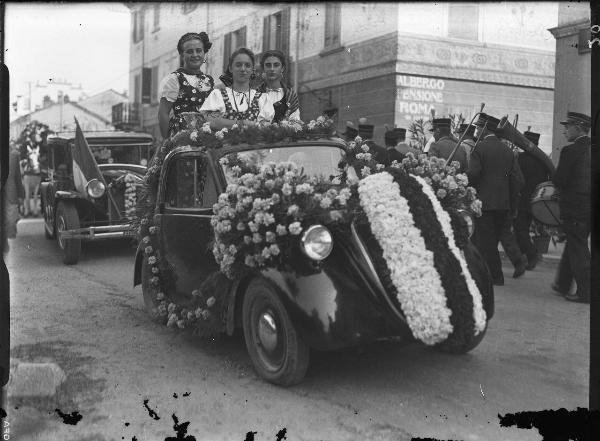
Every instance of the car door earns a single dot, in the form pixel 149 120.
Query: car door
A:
pixel 185 210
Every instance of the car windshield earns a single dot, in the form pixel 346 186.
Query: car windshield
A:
pixel 314 160
pixel 138 154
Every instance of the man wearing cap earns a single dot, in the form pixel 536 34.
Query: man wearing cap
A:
pixel 534 172
pixel 365 131
pixel 572 178
pixel 491 170
pixel 444 143
pixel 468 139
pixel 397 148
pixel 351 131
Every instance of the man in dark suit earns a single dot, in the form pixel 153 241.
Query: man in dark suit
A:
pixel 365 131
pixel 491 169
pixel 534 173
pixel 572 178
pixel 445 143
pixel 468 138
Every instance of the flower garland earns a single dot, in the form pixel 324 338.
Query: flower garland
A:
pixel 411 265
pixel 479 315
pixel 258 219
pixel 130 196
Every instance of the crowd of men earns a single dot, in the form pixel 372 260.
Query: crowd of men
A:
pixel 505 179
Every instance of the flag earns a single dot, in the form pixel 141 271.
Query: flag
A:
pixel 85 167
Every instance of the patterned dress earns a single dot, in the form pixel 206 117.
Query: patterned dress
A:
pixel 231 112
pixel 189 99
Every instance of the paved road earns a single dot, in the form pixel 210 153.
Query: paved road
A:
pixel 90 321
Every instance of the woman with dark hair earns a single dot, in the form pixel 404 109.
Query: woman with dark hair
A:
pixel 278 101
pixel 238 102
pixel 185 89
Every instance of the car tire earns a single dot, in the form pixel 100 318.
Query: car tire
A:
pixel 465 347
pixel 148 293
pixel 278 352
pixel 67 218
pixel 48 234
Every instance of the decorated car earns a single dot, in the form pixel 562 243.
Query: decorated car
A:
pixel 92 185
pixel 303 241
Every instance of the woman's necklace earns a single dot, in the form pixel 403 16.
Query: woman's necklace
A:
pixel 235 93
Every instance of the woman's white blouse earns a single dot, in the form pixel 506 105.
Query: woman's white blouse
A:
pixel 214 101
pixel 266 101
pixel 169 86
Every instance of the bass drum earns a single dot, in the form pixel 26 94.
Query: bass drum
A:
pixel 544 204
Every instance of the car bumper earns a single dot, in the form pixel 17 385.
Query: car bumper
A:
pixel 100 232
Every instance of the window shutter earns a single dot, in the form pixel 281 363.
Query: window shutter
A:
pixel 154 85
pixel 337 8
pixel 266 31
pixel 226 50
pixel 146 85
pixel 135 26
pixel 328 24
pixel 285 30
pixel 242 36
pixel 136 89
pixel 142 20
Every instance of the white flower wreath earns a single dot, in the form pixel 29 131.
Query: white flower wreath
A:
pixel 411 264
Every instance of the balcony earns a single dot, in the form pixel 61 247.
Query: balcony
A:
pixel 126 116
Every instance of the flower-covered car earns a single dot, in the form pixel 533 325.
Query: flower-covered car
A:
pixel 90 194
pixel 275 238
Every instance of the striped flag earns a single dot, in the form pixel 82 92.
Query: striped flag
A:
pixel 85 167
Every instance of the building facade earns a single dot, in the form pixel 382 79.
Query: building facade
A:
pixel 93 113
pixel 389 62
pixel 40 94
pixel 573 80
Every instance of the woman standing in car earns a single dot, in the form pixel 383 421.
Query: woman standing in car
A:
pixel 278 101
pixel 186 89
pixel 236 103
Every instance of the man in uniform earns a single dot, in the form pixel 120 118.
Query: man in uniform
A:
pixel 468 139
pixel 365 131
pixel 572 178
pixel 444 143
pixel 534 173
pixel 490 172
pixel 398 151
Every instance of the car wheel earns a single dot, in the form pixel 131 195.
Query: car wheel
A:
pixel 277 350
pixel 67 218
pixel 465 347
pixel 148 293
pixel 49 231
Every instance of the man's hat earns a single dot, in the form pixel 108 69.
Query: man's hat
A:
pixel 577 118
pixel 365 131
pixel 440 123
pixel 401 132
pixel 532 136
pixel 468 127
pixel 351 131
pixel 492 123
pixel 391 137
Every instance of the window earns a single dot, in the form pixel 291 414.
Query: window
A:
pixel 189 184
pixel 189 7
pixel 232 41
pixel 463 21
pixel 583 43
pixel 276 31
pixel 333 14
pixel 137 89
pixel 156 17
pixel 138 25
pixel 154 85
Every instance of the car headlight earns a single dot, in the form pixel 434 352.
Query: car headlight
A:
pixel 468 217
pixel 317 242
pixel 95 188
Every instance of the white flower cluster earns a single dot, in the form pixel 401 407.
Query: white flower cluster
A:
pixel 130 195
pixel 478 312
pixel 411 265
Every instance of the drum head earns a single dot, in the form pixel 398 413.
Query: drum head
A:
pixel 544 204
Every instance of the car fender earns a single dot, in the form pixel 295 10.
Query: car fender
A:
pixel 137 268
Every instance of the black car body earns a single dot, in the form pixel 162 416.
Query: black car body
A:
pixel 72 214
pixel 339 303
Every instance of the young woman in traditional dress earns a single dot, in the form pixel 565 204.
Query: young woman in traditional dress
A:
pixel 237 103
pixel 186 89
pixel 278 101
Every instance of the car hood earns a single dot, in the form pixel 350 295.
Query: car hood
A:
pixel 115 170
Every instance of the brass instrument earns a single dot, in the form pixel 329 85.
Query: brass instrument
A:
pixel 465 132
